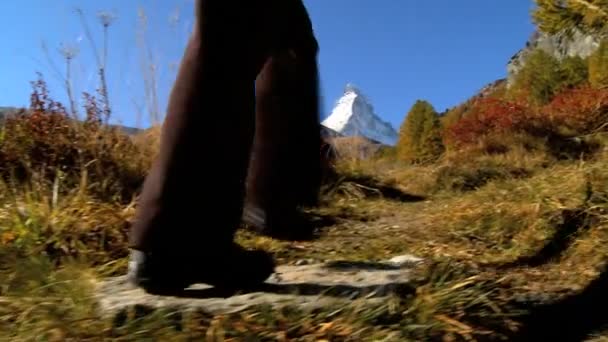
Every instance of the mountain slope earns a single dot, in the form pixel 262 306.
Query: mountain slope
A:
pixel 557 45
pixel 353 115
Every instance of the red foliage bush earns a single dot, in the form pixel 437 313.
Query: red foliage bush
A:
pixel 487 116
pixel 41 133
pixel 44 142
pixel 581 110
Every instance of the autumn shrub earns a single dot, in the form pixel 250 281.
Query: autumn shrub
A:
pixel 558 128
pixel 148 143
pixel 454 114
pixel 44 144
pixel 544 75
pixel 579 111
pixel 487 116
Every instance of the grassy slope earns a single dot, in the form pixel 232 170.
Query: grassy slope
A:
pixel 488 248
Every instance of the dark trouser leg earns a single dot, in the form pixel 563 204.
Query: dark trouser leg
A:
pixel 192 199
pixel 285 172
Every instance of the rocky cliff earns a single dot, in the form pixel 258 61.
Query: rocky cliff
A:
pixel 559 45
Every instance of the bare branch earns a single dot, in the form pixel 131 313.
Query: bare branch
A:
pixel 53 66
pixel 87 32
pixel 148 68
pixel 69 52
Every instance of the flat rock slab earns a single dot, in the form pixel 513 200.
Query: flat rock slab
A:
pixel 304 286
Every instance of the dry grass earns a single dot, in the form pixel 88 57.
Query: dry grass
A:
pixel 54 304
pixel 355 148
pixel 495 225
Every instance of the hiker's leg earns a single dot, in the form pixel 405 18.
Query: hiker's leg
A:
pixel 285 171
pixel 192 200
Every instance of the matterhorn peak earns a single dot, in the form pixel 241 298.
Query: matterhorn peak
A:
pixel 353 115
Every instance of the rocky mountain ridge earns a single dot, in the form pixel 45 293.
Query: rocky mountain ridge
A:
pixel 559 45
pixel 354 115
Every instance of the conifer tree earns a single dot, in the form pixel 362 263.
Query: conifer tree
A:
pixel 539 79
pixel 586 16
pixel 574 72
pixel 420 134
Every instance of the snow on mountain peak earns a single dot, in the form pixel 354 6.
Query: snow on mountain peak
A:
pixel 353 115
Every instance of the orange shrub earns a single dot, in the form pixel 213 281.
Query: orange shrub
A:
pixel 40 138
pixel 487 116
pixel 580 110
pixel 44 142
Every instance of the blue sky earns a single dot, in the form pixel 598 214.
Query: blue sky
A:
pixel 395 51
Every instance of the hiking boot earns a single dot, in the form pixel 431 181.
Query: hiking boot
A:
pixel 291 225
pixel 234 269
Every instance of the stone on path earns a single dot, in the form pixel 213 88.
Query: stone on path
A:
pixel 306 286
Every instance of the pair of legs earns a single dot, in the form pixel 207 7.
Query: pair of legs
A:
pixel 242 125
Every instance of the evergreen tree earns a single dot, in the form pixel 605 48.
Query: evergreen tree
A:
pixel 598 66
pixel 539 79
pixel 574 72
pixel 420 134
pixel 587 16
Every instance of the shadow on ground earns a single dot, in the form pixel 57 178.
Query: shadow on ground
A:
pixel 302 289
pixel 573 222
pixel 305 226
pixel 571 319
pixel 576 316
pixel 341 290
pixel 308 225
pixel 370 187
pixel 340 265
